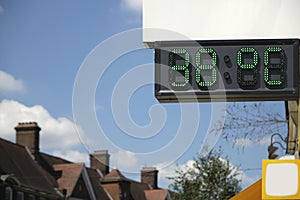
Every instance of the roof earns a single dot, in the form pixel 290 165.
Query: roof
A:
pixel 156 194
pixel 48 173
pixel 31 175
pixel 95 177
pixel 113 176
pixel 70 175
pixel 251 193
pixel 137 190
pixel 52 160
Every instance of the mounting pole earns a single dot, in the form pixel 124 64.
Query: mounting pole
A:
pixel 292 116
pixel 298 129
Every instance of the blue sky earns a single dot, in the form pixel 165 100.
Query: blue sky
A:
pixel 45 46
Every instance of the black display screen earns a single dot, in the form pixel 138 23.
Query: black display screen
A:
pixel 248 70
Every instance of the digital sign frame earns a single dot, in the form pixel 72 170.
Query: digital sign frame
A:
pixel 229 70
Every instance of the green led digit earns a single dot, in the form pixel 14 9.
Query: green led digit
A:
pixel 275 67
pixel 247 53
pixel 247 62
pixel 179 61
pixel 206 67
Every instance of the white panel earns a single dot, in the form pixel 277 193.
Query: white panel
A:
pixel 220 19
pixel 288 157
pixel 282 179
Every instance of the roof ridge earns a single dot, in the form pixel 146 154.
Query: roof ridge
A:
pixel 117 175
pixel 12 143
pixel 56 157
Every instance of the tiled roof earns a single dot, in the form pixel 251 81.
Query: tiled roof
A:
pixel 70 175
pixel 94 177
pixel 41 175
pixel 114 175
pixel 100 192
pixel 156 194
pixel 16 160
pixel 52 160
pixel 48 172
pixel 137 190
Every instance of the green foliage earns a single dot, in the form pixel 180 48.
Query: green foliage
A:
pixel 210 178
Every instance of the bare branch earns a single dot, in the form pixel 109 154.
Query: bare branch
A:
pixel 253 121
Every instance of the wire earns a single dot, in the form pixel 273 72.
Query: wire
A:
pixel 250 169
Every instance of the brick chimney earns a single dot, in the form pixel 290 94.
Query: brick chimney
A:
pixel 149 176
pixel 100 160
pixel 28 134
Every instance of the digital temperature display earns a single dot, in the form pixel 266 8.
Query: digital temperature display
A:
pixel 248 70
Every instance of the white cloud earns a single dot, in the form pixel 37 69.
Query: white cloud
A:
pixel 246 142
pixel 8 83
pixel 243 142
pixel 246 180
pixel 72 155
pixel 1 9
pixel 169 171
pixel 166 170
pixel 241 175
pixel 132 5
pixel 265 140
pixel 56 134
pixel 124 160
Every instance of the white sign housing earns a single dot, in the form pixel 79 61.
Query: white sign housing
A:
pixel 172 20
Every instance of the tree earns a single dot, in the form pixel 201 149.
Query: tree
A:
pixel 209 178
pixel 252 121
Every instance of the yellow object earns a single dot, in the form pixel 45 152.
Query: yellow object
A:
pixel 253 192
pixel 280 179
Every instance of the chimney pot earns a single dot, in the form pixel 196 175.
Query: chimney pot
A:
pixel 149 176
pixel 100 160
pixel 28 134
